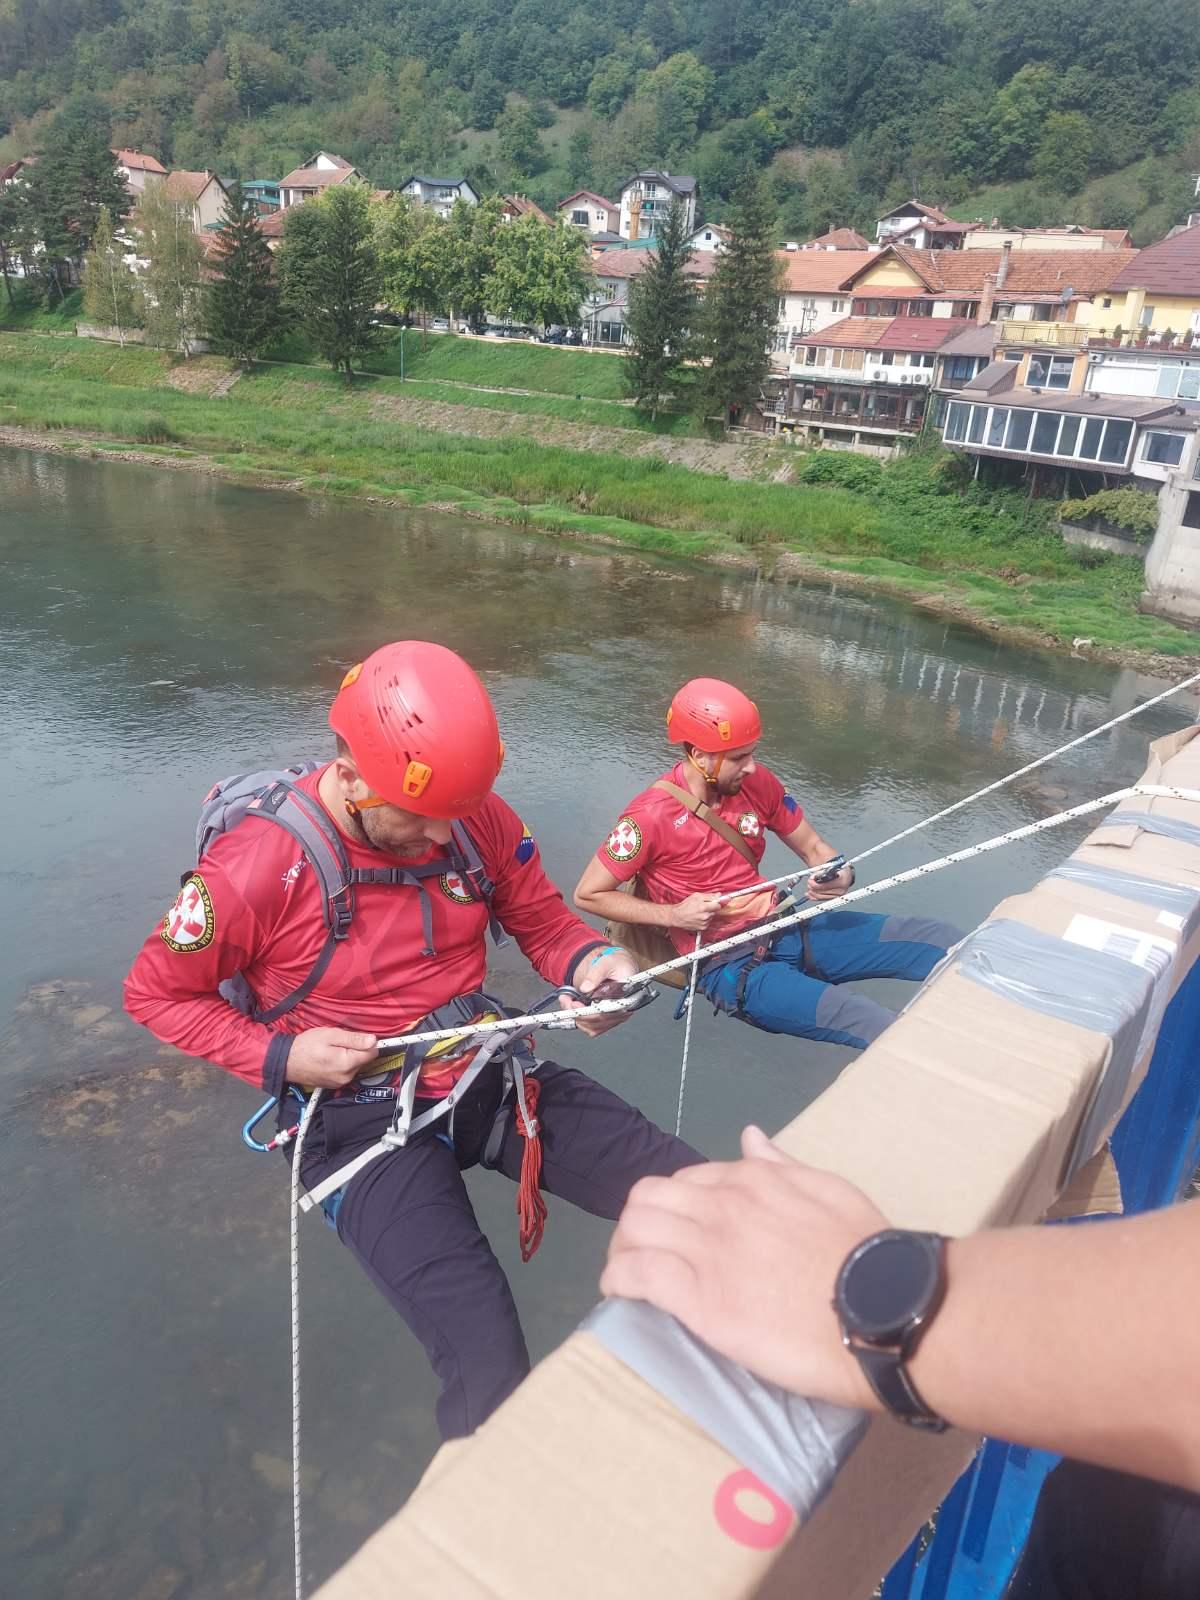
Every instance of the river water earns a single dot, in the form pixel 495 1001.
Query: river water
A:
pixel 159 630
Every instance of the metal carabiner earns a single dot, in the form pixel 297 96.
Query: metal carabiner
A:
pixel 284 1136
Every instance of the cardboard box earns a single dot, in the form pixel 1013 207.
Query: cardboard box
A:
pixel 966 1114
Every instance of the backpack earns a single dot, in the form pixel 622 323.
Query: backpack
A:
pixel 273 796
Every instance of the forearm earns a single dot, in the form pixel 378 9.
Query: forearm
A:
pixel 613 906
pixel 1082 1340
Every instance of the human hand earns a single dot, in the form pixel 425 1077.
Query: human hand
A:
pixel 838 885
pixel 746 1254
pixel 329 1058
pixel 592 971
pixel 696 912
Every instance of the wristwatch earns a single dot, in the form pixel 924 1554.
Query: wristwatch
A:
pixel 887 1293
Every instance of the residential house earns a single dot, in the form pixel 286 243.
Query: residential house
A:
pixel 865 381
pixel 603 312
pixel 271 227
pixel 313 177
pixel 921 226
pixel 813 293
pixel 514 206
pixel 1030 285
pixel 835 239
pixel 1070 441
pixel 439 194
pixel 591 212
pixel 963 355
pixel 710 237
pixel 263 194
pixel 1157 291
pixel 646 198
pixel 202 192
pixel 991 236
pixel 139 170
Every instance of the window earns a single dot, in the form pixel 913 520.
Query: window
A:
pixel 1068 436
pixel 810 356
pixel 962 308
pixel 1115 444
pixel 1050 372
pixel 610 291
pixel 651 188
pixel 1189 383
pixel 1018 430
pixel 610 332
pixel 1089 449
pixel 1164 449
pixel 1045 432
pixel 920 361
pixel 995 432
pixel 975 426
pixel 1107 304
pixel 1011 355
pixel 956 420
pixel 837 305
pixel 1147 316
pixel 960 368
pixel 887 358
pixel 579 218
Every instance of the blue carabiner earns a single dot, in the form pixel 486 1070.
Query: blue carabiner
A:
pixel 248 1128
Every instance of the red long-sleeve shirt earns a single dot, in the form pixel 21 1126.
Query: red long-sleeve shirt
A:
pixel 255 908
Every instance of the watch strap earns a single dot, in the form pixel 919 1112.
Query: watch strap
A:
pixel 889 1377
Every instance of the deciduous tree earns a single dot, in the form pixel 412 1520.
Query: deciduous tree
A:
pixel 112 295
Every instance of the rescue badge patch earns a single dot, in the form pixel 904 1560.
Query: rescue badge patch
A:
pixel 625 841
pixel 749 825
pixel 190 923
pixel 453 887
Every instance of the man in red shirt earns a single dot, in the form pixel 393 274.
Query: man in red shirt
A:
pixel 684 865
pixel 400 946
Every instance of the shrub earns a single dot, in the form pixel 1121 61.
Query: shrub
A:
pixel 858 473
pixel 1136 510
pixel 154 430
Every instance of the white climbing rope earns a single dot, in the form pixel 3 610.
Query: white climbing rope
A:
pixel 294 1206
pixel 687 1033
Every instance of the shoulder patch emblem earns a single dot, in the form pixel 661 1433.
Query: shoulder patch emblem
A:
pixel 526 847
pixel 749 825
pixel 790 803
pixel 190 923
pixel 453 887
pixel 625 841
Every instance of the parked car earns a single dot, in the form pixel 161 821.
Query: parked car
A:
pixel 439 324
pixel 390 319
pixel 554 334
pixel 515 330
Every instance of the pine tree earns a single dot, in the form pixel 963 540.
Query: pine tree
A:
pixel 330 274
pixel 111 294
pixel 174 257
pixel 74 176
pixel 241 304
pixel 741 305
pixel 661 314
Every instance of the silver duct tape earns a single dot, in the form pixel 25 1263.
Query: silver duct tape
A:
pixel 1180 903
pixel 792 1445
pixel 1151 822
pixel 1116 989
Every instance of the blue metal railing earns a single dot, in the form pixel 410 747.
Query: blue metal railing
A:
pixel 984 1520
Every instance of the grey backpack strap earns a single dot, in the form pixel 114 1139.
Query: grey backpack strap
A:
pixel 470 866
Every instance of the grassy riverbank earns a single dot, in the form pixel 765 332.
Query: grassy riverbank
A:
pixel 908 531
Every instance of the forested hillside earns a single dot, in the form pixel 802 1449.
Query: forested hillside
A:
pixel 1081 108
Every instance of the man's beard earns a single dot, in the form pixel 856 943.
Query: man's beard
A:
pixel 377 835
pixel 729 785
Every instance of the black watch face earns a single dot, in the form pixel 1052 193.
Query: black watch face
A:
pixel 887 1282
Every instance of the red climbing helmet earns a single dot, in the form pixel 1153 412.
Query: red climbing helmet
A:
pixel 421 729
pixel 714 716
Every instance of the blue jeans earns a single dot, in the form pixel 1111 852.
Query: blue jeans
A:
pixel 795 989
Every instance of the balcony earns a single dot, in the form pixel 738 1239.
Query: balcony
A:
pixel 1064 335
pixel 872 371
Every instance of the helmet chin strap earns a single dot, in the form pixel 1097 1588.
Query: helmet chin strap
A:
pixel 709 777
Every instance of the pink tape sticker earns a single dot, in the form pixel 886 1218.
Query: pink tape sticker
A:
pixel 750 1513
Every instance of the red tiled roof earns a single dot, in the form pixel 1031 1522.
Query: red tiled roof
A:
pixel 962 272
pixel 1172 266
pixel 524 207
pixel 587 194
pixel 137 162
pixel 311 177
pixel 838 239
pixel 821 271
pixel 628 263
pixel 271 226
pixel 188 185
pixel 889 333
